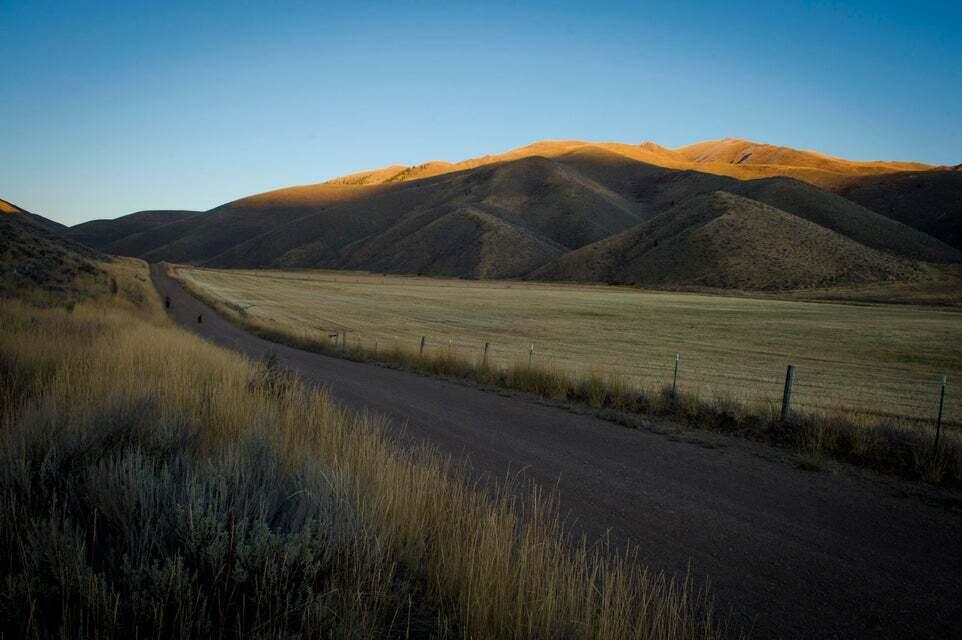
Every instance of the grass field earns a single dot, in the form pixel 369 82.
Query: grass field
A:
pixel 878 359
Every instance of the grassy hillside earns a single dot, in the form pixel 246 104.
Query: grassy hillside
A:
pixel 103 234
pixel 514 214
pixel 847 218
pixel 36 220
pixel 733 151
pixel 930 201
pixel 494 221
pixel 730 157
pixel 724 241
pixel 41 265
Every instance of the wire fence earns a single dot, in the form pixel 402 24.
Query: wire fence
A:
pixel 818 386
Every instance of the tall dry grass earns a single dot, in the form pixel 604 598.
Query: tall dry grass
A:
pixel 152 484
pixel 897 446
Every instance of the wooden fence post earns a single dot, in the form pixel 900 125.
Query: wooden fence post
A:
pixel 484 355
pixel 938 421
pixel 530 354
pixel 674 381
pixel 787 394
pixel 421 348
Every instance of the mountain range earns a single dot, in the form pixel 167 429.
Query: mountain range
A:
pixel 721 214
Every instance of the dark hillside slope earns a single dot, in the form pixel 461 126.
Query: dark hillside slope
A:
pixel 930 201
pixel 32 218
pixel 103 234
pixel 232 224
pixel 655 189
pixel 723 240
pixel 468 242
pixel 650 187
pixel 524 212
pixel 847 218
pixel 36 262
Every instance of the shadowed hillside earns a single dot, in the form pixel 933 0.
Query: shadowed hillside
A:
pixel 37 263
pixel 527 212
pixel 930 201
pixel 32 218
pixel 722 240
pixel 103 234
pixel 839 214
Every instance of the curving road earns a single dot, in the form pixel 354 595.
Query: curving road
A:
pixel 789 553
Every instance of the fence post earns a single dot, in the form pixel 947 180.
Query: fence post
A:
pixel 421 348
pixel 343 340
pixel 530 354
pixel 938 421
pixel 787 394
pixel 484 355
pixel 674 381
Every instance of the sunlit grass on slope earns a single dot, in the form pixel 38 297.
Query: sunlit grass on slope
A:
pixel 153 484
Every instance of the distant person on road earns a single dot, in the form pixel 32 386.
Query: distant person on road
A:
pixel 167 302
pixel 200 319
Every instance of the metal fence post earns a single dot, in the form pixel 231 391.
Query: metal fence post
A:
pixel 787 395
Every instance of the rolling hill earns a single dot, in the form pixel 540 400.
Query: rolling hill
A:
pixel 740 244
pixel 104 234
pixel 732 157
pixel 930 201
pixel 37 263
pixel 31 218
pixel 581 211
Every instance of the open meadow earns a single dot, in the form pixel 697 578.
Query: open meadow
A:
pixel 877 359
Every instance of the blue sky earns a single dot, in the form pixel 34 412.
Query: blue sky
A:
pixel 112 107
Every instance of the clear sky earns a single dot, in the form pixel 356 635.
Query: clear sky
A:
pixel 112 107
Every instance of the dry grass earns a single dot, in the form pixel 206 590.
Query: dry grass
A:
pixel 39 265
pixel 881 360
pixel 742 159
pixel 153 484
pixel 881 440
pixel 727 241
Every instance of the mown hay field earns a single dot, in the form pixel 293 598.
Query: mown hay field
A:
pixel 880 359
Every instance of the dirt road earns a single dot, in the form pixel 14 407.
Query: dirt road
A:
pixel 789 553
